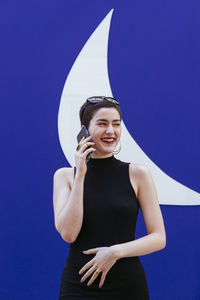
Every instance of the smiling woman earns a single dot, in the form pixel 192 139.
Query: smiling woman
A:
pixel 96 212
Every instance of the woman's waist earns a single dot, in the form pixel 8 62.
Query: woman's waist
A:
pixel 124 272
pixel 77 256
pixel 125 265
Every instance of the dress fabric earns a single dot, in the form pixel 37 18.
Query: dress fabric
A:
pixel 110 210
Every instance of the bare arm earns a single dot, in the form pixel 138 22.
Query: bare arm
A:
pixel 156 237
pixel 68 203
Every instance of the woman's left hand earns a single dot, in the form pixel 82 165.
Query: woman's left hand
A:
pixel 104 259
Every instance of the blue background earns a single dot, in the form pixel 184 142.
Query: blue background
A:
pixel 154 69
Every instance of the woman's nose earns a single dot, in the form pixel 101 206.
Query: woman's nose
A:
pixel 109 129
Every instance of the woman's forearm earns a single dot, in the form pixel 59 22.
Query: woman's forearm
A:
pixel 142 246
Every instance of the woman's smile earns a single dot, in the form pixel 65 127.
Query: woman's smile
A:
pixel 108 140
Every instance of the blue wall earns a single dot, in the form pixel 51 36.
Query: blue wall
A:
pixel 154 69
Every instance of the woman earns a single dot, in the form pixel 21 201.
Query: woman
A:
pixel 96 210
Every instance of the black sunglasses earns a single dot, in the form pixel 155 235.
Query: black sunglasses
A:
pixel 97 99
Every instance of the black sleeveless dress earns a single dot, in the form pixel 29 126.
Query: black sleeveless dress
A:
pixel 110 213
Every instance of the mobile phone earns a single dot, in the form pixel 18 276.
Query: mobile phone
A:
pixel 84 133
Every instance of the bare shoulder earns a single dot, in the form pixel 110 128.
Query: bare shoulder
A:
pixel 62 172
pixel 139 170
pixel 138 173
pixel 64 175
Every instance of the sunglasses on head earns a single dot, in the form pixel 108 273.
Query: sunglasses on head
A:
pixel 97 99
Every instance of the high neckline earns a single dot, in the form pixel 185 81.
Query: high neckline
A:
pixel 105 161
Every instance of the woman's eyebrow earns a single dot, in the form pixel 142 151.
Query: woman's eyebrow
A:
pixel 116 120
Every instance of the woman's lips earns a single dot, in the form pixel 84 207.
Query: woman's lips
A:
pixel 108 140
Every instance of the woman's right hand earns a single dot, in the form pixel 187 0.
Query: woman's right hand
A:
pixel 81 154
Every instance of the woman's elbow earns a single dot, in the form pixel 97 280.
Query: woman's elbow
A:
pixel 160 240
pixel 163 242
pixel 67 238
pixel 65 235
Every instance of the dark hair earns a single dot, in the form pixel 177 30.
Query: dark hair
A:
pixel 88 109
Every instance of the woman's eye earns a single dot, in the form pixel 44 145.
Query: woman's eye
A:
pixel 105 124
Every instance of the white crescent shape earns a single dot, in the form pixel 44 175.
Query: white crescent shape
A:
pixel 89 76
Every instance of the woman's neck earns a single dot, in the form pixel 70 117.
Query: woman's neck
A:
pixel 98 155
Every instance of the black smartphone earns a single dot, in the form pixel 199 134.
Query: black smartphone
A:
pixel 84 133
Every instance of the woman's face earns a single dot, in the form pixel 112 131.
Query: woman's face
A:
pixel 105 131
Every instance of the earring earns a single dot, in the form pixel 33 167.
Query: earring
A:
pixel 118 150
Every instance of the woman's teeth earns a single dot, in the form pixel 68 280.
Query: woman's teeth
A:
pixel 108 141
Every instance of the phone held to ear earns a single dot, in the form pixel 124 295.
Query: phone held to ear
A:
pixel 84 133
